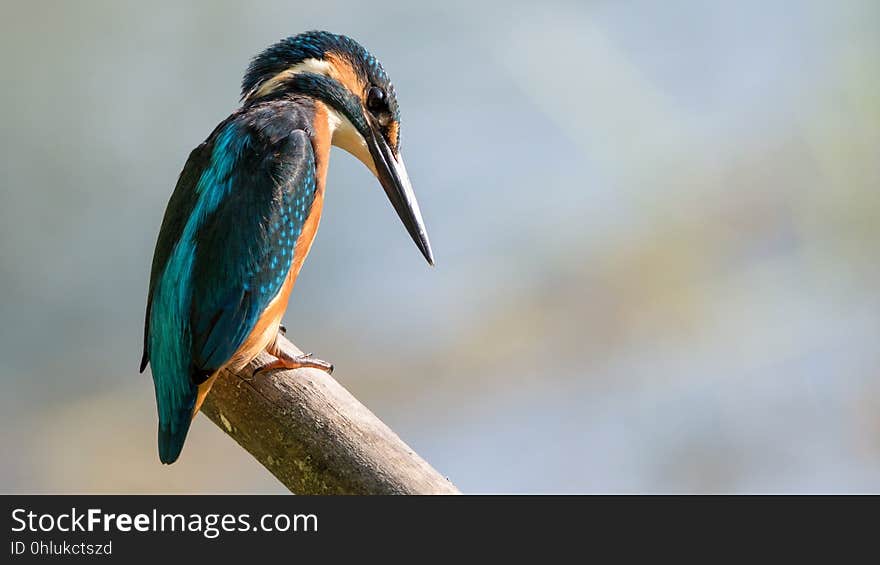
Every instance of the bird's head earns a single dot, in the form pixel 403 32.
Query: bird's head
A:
pixel 362 106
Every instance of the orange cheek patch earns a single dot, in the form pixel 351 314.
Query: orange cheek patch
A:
pixel 346 74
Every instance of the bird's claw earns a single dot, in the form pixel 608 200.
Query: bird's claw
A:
pixel 296 362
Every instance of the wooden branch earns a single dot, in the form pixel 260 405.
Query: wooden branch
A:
pixel 314 436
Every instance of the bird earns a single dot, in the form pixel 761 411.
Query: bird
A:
pixel 244 212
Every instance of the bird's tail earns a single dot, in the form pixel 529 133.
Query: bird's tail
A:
pixel 171 437
pixel 171 440
pixel 175 417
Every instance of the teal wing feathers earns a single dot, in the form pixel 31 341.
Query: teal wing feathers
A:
pixel 224 250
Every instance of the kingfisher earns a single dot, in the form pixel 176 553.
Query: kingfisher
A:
pixel 245 210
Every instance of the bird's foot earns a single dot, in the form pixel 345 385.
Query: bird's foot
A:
pixel 285 361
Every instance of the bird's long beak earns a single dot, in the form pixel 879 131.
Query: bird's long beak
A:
pixel 395 181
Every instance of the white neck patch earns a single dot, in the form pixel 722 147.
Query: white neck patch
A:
pixel 314 66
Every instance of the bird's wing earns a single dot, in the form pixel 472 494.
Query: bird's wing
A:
pixel 245 249
pixel 221 258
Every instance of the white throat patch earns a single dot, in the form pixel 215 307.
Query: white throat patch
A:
pixel 344 135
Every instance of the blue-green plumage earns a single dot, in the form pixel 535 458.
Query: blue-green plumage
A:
pixel 224 251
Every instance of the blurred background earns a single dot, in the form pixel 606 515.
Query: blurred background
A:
pixel 655 224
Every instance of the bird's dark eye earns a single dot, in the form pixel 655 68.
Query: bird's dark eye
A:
pixel 376 102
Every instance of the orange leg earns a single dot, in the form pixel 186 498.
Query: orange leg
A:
pixel 285 361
